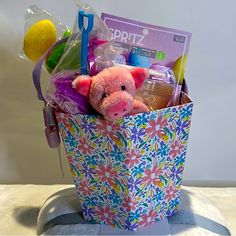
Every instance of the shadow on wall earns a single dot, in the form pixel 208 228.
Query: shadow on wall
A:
pixel 24 154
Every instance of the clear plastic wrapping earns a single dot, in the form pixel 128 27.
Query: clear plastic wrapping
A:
pixel 162 89
pixel 158 89
pixel 101 53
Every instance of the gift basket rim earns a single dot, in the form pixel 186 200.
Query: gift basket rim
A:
pixel 128 116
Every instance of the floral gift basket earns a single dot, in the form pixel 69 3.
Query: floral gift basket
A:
pixel 120 106
pixel 128 173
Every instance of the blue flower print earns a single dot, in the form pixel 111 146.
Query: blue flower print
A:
pixel 70 140
pixel 186 112
pixel 116 199
pixel 142 119
pixel 179 160
pixel 163 149
pixel 117 154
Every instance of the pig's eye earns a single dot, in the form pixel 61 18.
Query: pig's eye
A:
pixel 123 87
pixel 104 95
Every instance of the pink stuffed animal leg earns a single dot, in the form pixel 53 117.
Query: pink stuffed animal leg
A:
pixel 139 107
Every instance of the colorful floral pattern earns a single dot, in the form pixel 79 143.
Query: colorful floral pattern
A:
pixel 128 173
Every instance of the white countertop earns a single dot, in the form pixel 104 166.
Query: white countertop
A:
pixel 20 204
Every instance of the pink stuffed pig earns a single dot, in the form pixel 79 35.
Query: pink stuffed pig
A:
pixel 111 92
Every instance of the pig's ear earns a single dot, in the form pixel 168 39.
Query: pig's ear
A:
pixel 82 84
pixel 139 75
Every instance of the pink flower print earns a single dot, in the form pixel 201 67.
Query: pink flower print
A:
pixel 176 148
pixel 60 117
pixel 85 146
pixel 170 193
pixel 107 128
pixel 105 214
pixel 157 127
pixel 70 159
pixel 84 188
pixel 106 173
pixel 132 158
pixel 147 219
pixel 152 176
pixel 129 204
pixel 64 119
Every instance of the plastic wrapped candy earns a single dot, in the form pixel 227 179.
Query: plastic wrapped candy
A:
pixel 41 31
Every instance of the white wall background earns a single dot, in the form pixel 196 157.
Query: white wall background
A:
pixel 211 75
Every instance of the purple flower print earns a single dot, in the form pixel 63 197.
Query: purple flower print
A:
pixel 133 184
pixel 88 126
pixel 181 126
pixel 137 134
pixel 171 212
pixel 130 225
pixel 88 172
pixel 87 212
pixel 175 173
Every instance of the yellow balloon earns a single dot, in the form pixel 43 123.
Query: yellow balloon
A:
pixel 39 37
pixel 179 69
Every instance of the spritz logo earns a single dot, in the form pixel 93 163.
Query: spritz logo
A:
pixel 128 37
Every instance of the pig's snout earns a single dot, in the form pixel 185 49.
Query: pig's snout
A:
pixel 118 110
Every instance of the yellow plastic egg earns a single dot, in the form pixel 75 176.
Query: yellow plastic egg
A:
pixel 179 68
pixel 39 37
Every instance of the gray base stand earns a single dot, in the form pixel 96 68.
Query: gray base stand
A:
pixel 61 215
